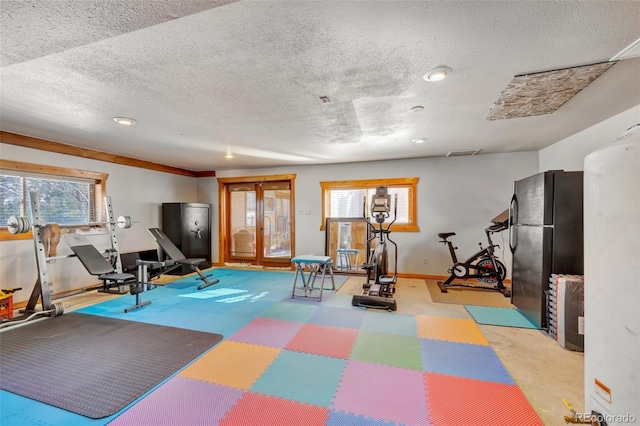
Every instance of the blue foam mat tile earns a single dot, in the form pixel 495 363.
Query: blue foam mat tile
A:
pixel 385 322
pixel 339 301
pixel 463 360
pixel 307 378
pixel 189 314
pixel 337 317
pixel 340 418
pixel 507 317
pixel 20 411
pixel 291 311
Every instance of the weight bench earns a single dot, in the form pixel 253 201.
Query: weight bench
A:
pixel 177 256
pixel 315 264
pixel 144 277
pixel 96 264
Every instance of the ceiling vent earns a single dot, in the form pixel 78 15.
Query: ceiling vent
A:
pixel 462 153
pixel 629 52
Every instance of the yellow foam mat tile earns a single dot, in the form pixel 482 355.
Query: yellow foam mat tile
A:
pixel 232 364
pixel 457 330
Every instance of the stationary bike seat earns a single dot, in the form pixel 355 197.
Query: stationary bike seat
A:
pixel 444 235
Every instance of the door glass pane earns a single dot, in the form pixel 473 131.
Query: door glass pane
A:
pixel 243 224
pixel 276 222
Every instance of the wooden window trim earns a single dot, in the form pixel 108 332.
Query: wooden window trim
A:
pixel 370 183
pixel 38 169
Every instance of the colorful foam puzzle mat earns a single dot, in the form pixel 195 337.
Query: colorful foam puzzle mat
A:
pixel 289 362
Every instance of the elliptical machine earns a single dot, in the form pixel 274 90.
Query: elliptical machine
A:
pixel 380 287
pixel 483 265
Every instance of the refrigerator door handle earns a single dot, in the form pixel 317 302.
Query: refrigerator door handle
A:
pixel 513 219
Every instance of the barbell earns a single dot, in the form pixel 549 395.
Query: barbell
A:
pixel 18 224
pixel 22 224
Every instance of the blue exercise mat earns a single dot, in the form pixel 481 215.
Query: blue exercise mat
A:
pixel 507 317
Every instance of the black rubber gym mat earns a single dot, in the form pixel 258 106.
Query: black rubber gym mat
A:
pixel 94 365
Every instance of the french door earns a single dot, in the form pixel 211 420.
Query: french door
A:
pixel 259 225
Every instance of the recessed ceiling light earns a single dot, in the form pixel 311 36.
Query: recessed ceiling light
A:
pixel 417 108
pixel 419 140
pixel 124 121
pixel 437 74
pixel 228 156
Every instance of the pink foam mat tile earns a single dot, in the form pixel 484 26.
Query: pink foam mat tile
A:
pixel 324 340
pixel 181 401
pixel 381 392
pixel 267 332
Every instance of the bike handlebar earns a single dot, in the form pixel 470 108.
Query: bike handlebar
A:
pixel 500 226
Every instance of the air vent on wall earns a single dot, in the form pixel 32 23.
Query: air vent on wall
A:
pixel 462 153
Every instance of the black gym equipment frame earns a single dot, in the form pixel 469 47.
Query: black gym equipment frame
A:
pixel 484 265
pixel 379 294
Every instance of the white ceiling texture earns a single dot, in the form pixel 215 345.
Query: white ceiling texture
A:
pixel 204 78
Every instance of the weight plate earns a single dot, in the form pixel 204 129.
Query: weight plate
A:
pixel 14 224
pixel 124 222
pixel 26 224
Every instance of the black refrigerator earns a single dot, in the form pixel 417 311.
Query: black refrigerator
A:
pixel 545 236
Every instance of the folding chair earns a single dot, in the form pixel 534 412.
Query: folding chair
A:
pixel 177 256
pixel 96 264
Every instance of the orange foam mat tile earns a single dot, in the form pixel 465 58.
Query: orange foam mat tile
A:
pixel 459 330
pixel 232 364
pixel 264 410
pixel 462 401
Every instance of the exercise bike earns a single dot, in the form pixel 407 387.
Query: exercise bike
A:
pixel 380 287
pixel 483 266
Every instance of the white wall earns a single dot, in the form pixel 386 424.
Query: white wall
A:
pixel 458 194
pixel 134 192
pixel 569 153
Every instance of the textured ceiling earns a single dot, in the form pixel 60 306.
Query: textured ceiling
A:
pixel 204 78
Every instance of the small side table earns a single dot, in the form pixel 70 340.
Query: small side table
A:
pixel 315 264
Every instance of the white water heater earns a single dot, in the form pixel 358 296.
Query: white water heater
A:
pixel 612 280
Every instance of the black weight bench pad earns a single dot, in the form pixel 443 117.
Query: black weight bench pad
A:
pixel 177 256
pixel 171 250
pixel 92 259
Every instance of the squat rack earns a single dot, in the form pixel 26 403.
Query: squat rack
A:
pixel 42 288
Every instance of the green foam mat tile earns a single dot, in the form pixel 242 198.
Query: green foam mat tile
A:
pixel 387 349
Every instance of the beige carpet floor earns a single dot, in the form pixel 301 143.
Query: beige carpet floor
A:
pixel 468 296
